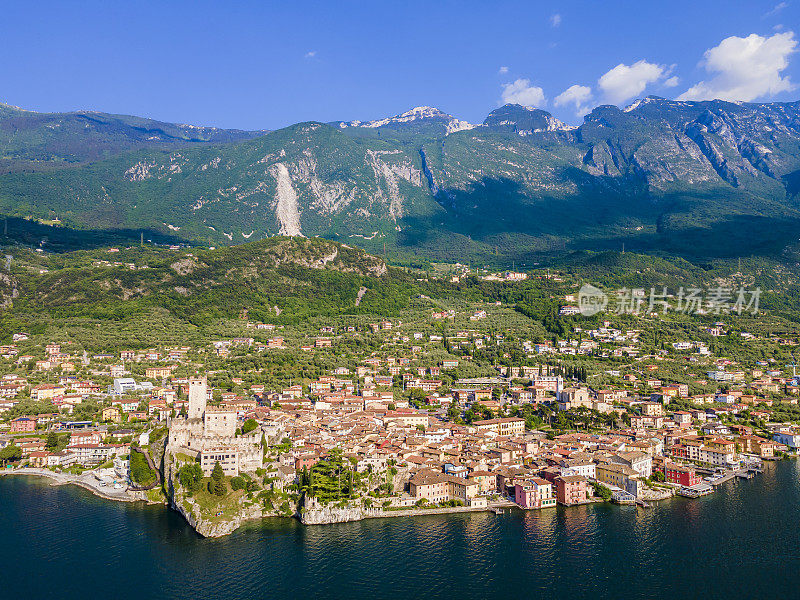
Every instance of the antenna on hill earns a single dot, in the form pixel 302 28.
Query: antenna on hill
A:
pixel 623 247
pixel 141 238
pixel 5 226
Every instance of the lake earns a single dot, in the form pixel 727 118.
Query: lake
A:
pixel 740 542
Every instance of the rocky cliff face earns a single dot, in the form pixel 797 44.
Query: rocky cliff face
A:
pixel 207 526
pixel 210 528
pixel 314 513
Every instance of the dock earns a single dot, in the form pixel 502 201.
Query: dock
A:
pixel 695 491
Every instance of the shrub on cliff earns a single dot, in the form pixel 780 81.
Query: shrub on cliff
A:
pixel 190 477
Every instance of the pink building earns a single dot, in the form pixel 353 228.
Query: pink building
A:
pixel 23 424
pixel 571 489
pixel 534 493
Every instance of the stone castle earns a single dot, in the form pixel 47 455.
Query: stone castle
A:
pixel 209 434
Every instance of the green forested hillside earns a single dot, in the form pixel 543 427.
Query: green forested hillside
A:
pixel 114 297
pixel 276 280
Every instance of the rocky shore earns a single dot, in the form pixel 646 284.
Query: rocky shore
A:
pixel 211 528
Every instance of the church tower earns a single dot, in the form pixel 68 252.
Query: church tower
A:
pixel 198 390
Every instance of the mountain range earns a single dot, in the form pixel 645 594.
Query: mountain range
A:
pixel 702 180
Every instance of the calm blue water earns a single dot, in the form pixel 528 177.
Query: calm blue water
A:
pixel 741 542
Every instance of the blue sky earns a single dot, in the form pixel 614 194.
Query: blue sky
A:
pixel 255 65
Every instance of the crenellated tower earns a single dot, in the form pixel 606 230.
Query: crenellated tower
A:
pixel 198 393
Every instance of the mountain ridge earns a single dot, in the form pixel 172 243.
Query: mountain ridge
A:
pixel 683 177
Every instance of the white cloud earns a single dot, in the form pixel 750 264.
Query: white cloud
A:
pixel 555 20
pixel 522 92
pixel 579 95
pixel 672 82
pixel 502 70
pixel 745 68
pixel 776 9
pixel 624 82
pixel 310 54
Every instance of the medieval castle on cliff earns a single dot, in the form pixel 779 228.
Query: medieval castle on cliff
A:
pixel 209 433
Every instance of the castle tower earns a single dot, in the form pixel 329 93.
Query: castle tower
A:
pixel 198 390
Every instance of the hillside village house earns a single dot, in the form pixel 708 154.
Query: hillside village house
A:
pixel 620 476
pixel 159 372
pixel 45 392
pixel 681 474
pixel 111 413
pixel 438 487
pixel 23 425
pixel 504 426
pixel 640 462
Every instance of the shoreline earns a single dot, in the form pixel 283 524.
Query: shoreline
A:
pixel 88 482
pixel 59 479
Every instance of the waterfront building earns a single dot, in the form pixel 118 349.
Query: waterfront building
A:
pixel 534 493
pixel 571 489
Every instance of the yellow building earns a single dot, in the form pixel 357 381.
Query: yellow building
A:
pixel 111 413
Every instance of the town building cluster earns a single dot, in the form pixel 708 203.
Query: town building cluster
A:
pixel 411 418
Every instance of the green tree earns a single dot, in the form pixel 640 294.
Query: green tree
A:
pixel 249 425
pixel 52 440
pixel 454 414
pixel 10 453
pixel 602 491
pixel 217 473
pixel 141 473
pixel 218 486
pixel 190 476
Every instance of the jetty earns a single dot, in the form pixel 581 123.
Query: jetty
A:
pixel 695 491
